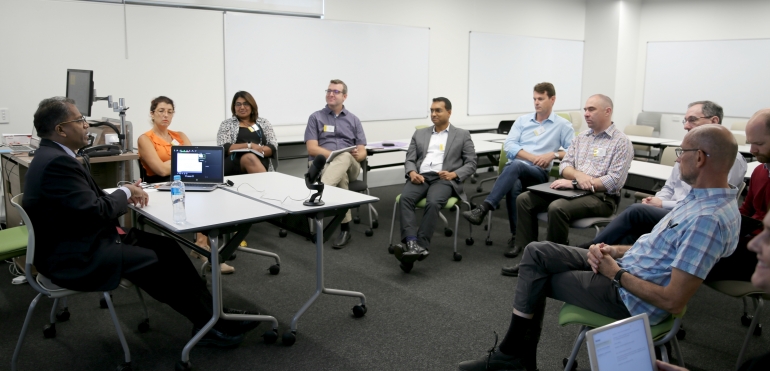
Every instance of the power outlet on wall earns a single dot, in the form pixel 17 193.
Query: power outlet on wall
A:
pixel 4 119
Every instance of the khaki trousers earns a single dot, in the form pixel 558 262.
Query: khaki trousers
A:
pixel 339 172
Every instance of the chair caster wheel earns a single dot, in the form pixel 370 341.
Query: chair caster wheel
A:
pixel 144 326
pixel 681 334
pixel 369 233
pixel 274 269
pixel 283 233
pixel 103 303
pixel 359 310
pixel 357 220
pixel 288 338
pixel 63 316
pixel 270 336
pixel 390 250
pixel 457 257
pixel 126 366
pixel 182 366
pixel 375 224
pixel 488 242
pixel 448 232
pixel 469 241
pixel 49 331
pixel 746 320
pixel 627 195
pixel 574 364
pixel 758 330
pixel 479 189
pixel 473 180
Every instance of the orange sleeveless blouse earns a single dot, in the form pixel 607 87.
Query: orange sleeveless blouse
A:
pixel 162 147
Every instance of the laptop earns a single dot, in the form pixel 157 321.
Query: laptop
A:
pixel 545 188
pixel 201 167
pixel 21 142
pixel 623 345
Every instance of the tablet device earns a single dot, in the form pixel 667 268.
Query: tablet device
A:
pixel 545 188
pixel 623 345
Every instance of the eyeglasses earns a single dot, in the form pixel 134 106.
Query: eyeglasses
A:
pixel 161 112
pixel 242 104
pixel 679 151
pixel 329 91
pixel 693 119
pixel 82 118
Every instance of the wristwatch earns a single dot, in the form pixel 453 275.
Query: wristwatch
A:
pixel 556 154
pixel 574 183
pixel 616 280
pixel 248 144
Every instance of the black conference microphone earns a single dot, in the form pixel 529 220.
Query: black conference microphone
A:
pixel 313 181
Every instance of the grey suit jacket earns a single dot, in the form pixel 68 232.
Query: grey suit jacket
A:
pixel 459 154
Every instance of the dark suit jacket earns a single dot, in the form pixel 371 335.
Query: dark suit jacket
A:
pixel 77 244
pixel 459 154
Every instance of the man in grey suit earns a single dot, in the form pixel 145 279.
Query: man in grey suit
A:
pixel 438 160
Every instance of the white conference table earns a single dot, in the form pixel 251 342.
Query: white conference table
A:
pixel 204 211
pixel 650 170
pixel 288 193
pixel 389 158
pixel 744 149
pixel 489 137
pixel 751 167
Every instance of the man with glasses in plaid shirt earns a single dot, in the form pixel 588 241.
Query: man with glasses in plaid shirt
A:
pixel 597 161
pixel 639 219
pixel 657 275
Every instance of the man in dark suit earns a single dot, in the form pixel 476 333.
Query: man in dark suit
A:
pixel 438 160
pixel 80 245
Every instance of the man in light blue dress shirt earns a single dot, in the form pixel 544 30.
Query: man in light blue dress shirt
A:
pixel 532 145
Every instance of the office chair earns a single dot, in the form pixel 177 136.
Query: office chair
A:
pixel 738 126
pixel 662 333
pixel 362 186
pixel 44 286
pixel 500 168
pixel 642 131
pixel 503 128
pixel 668 157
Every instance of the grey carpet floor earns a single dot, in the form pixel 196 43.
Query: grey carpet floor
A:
pixel 442 313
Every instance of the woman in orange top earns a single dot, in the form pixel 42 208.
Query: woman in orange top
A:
pixel 155 155
pixel 155 145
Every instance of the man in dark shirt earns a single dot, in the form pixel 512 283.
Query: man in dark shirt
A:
pixel 330 129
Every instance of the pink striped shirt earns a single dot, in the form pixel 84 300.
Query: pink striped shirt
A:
pixel 606 156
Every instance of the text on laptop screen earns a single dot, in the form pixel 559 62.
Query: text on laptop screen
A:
pixel 198 164
pixel 623 348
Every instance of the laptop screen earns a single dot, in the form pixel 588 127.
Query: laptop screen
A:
pixel 198 164
pixel 622 347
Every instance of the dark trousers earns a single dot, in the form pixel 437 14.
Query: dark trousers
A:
pixel 561 212
pixel 631 224
pixel 563 273
pixel 512 180
pixel 171 279
pixel 436 191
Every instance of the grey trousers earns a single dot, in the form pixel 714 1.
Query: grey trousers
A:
pixel 563 273
pixel 436 192
pixel 561 212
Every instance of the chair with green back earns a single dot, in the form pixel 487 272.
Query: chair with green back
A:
pixel 662 333
pixel 500 166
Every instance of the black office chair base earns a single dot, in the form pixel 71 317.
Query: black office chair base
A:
pixel 183 366
pixel 270 337
pixel 289 338
pixel 359 311
pixel 274 270
pixel 283 233
pixel 126 366
pixel 564 364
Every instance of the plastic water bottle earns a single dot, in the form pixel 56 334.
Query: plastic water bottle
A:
pixel 177 200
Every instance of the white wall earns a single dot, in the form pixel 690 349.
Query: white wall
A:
pixel 684 20
pixel 178 52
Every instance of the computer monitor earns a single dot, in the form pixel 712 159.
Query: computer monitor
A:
pixel 80 88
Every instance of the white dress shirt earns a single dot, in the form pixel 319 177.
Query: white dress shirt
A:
pixel 434 159
pixel 676 190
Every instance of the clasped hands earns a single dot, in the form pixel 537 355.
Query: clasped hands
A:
pixel 138 196
pixel 543 160
pixel 602 257
pixel 443 174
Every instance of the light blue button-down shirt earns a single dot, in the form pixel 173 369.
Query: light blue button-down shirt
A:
pixel 701 229
pixel 538 138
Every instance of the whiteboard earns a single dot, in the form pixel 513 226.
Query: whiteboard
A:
pixel 503 69
pixel 286 64
pixel 732 73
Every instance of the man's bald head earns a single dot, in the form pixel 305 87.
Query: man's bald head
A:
pixel 716 141
pixel 761 117
pixel 604 100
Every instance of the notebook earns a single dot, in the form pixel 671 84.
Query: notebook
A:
pixel 201 167
pixel 563 193
pixel 623 345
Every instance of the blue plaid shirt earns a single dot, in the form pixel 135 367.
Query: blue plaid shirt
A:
pixel 700 230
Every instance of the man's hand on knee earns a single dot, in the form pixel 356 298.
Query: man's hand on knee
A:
pixel 601 254
pixel 416 178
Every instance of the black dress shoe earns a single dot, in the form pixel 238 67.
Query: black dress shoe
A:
pixel 513 252
pixel 406 267
pixel 342 240
pixel 219 339
pixel 399 250
pixel 475 216
pixel 239 327
pixel 510 271
pixel 414 253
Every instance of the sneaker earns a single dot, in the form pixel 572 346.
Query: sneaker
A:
pixel 475 216
pixel 20 280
